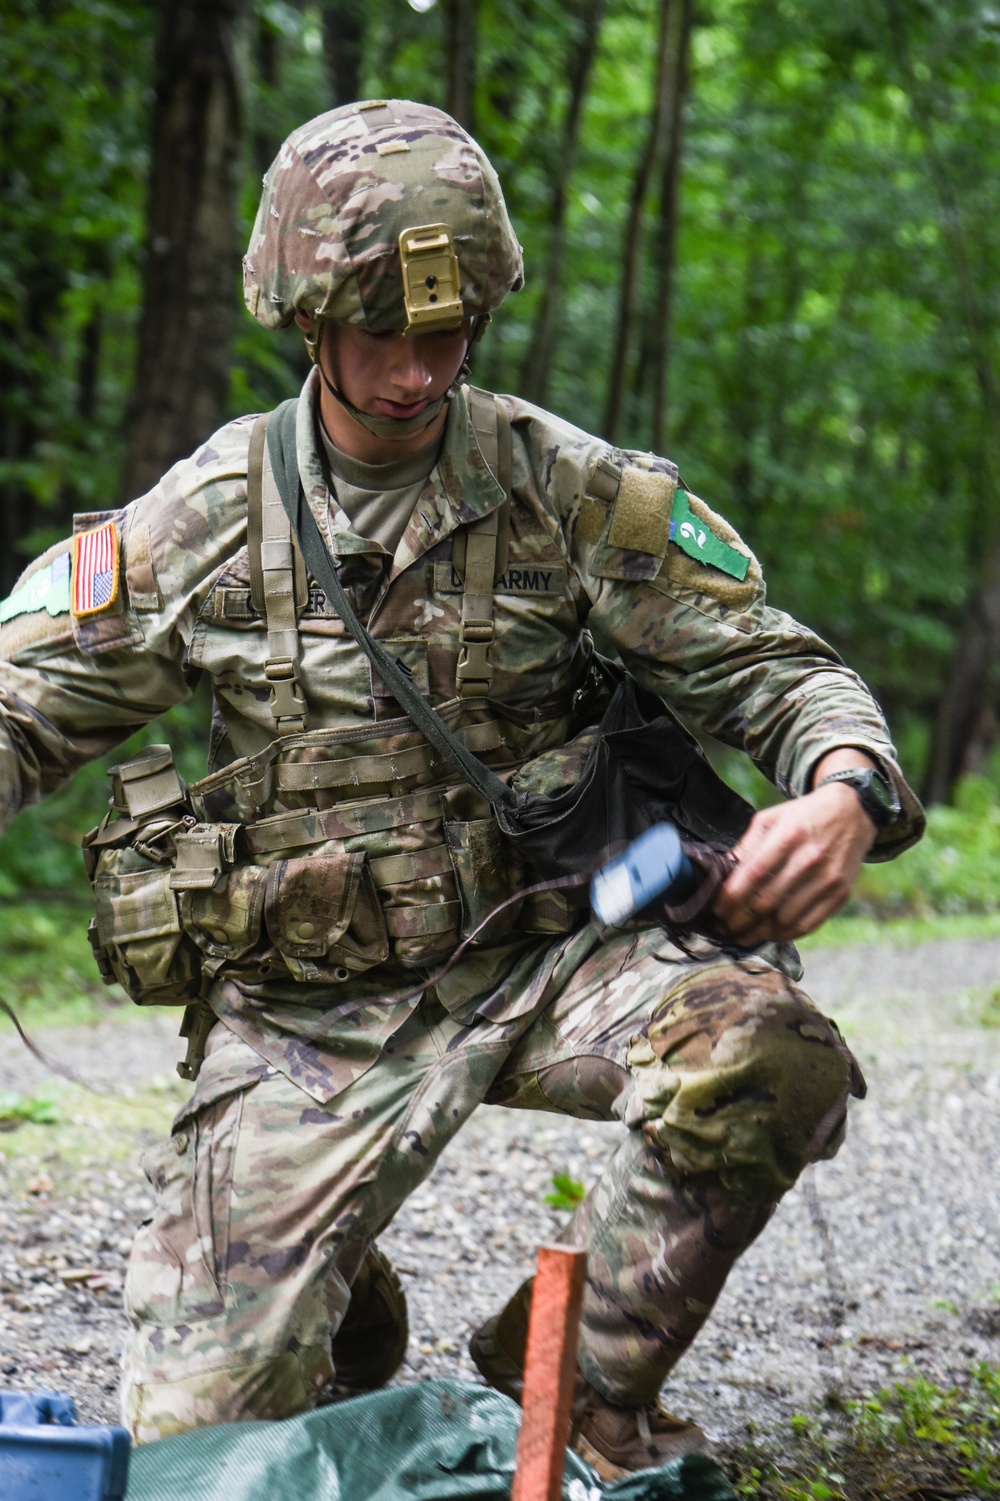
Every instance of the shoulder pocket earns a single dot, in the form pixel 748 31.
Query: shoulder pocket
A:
pixel 635 534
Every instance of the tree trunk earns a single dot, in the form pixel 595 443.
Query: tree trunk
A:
pixel 193 240
pixel 965 711
pixel 460 19
pixel 628 295
pixel 678 71
pixel 88 366
pixel 967 701
pixel 538 360
pixel 343 48
pixel 267 65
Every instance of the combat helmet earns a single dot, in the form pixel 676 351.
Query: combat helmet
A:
pixel 384 215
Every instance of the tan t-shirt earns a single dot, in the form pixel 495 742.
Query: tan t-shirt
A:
pixel 379 498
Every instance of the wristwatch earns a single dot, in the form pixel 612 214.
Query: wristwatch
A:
pixel 877 796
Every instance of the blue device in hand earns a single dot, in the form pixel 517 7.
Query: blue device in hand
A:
pixel 654 865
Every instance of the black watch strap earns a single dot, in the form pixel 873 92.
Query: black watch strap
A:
pixel 877 795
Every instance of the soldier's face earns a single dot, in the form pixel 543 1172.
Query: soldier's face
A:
pixel 392 374
pixel 386 375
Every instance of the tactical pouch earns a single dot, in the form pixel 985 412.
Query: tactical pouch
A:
pixel 566 810
pixel 224 919
pixel 323 916
pixel 486 872
pixel 137 934
pixel 137 930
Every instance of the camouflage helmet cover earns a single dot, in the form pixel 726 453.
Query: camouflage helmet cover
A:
pixel 339 193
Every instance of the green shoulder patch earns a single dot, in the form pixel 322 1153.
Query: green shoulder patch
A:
pixel 694 537
pixel 47 589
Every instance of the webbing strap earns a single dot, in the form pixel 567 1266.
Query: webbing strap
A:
pixel 281 447
pixel 272 572
pixel 417 922
pixel 474 674
pixel 255 470
pixel 379 767
pixel 395 870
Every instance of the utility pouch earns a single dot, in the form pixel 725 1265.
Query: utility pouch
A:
pixel 137 934
pixel 147 785
pixel 323 916
pixel 486 871
pixel 224 919
pixel 568 809
pixel 202 853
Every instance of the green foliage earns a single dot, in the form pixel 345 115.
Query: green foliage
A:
pixel 913 1439
pixel 835 309
pixel 903 932
pixel 94 1130
pixel 954 869
pixel 72 163
pixel 956 1430
pixel 567 1192
pixel 989 1016
pixel 49 974
pixel 41 1109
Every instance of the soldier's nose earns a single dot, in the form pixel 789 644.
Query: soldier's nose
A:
pixel 411 372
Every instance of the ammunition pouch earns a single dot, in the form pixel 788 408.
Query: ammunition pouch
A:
pixel 136 932
pixel 324 855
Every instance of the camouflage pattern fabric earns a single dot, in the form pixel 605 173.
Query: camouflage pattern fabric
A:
pixel 727 1077
pixel 231 1288
pixel 71 688
pixel 337 197
pixel 712 648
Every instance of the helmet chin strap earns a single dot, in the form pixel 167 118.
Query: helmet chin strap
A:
pixel 393 427
pixel 387 427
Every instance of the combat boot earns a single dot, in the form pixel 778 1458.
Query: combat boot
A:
pixel 370 1344
pixel 497 1347
pixel 614 1440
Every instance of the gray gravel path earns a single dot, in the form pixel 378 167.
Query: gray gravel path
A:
pixel 878 1265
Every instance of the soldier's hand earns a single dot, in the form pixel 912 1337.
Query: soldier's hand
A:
pixel 797 865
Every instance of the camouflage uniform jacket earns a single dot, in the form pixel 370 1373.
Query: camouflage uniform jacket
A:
pixel 590 562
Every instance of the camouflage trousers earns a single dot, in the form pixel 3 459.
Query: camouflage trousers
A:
pixel 727 1076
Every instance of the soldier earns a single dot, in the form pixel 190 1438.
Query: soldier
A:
pixel 331 861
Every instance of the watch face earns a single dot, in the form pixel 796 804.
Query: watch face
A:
pixel 877 797
pixel 876 793
pixel 877 788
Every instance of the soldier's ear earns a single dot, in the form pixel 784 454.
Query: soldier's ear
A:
pixel 303 320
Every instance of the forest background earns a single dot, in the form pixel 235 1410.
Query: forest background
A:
pixel 761 236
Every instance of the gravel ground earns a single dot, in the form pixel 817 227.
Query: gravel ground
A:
pixel 878 1265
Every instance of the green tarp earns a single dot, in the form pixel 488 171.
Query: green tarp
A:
pixel 435 1441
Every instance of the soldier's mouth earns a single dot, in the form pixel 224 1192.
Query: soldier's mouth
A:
pixel 387 408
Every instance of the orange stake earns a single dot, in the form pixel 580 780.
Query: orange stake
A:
pixel 549 1373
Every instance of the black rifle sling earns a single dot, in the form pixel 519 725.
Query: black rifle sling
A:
pixel 284 463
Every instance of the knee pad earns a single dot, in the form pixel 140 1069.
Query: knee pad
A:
pixel 738 1074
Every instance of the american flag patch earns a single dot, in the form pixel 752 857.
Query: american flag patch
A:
pixel 95 570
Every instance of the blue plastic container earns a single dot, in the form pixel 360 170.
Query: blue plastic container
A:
pixel 44 1456
pixel 654 865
